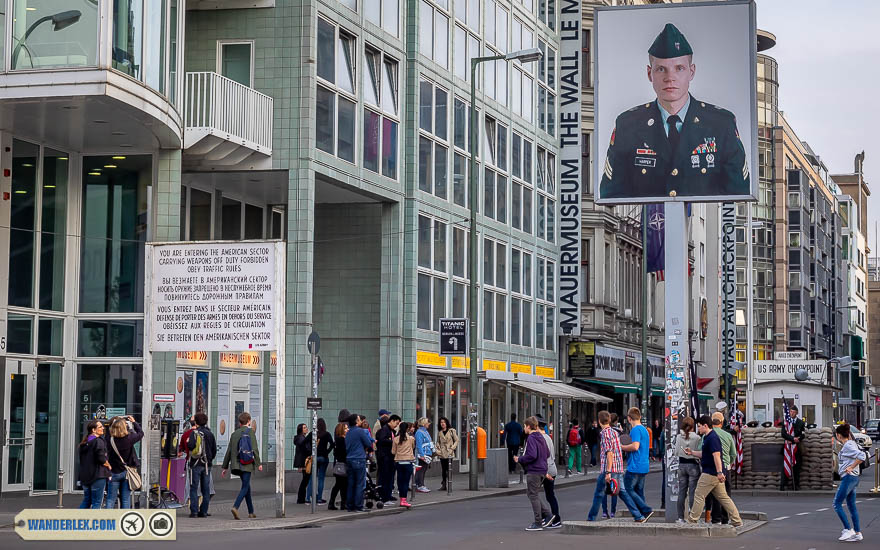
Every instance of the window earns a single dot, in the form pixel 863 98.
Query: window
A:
pixel 460 276
pixel 494 290
pixel 384 13
pixel 586 58
pixel 520 301
pixel 235 61
pixel 432 277
pixel 545 335
pixel 434 34
pixel 794 200
pixel 586 171
pixel 521 187
pixel 794 280
pixel 335 125
pixel 433 151
pixel 381 112
pixel 794 240
pixel 547 89
pixel 468 12
pixel 467 46
pixel 546 178
pixel 495 181
pixel 794 319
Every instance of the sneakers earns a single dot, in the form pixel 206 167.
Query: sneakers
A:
pixel 605 515
pixel 535 527
pixel 846 534
pixel 855 537
pixel 645 518
pixel 555 524
pixel 547 521
pixel 236 516
pixel 423 489
pixel 405 504
pixel 252 516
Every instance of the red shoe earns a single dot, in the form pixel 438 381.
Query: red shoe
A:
pixel 405 504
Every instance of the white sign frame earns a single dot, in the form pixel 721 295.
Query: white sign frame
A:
pixel 783 371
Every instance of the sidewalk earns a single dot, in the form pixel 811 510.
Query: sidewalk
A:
pixel 297 515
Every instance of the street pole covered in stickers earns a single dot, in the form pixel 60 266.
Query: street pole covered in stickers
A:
pixel 692 139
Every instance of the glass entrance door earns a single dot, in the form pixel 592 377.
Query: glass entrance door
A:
pixel 19 398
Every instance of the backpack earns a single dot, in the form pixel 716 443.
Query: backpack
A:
pixel 574 437
pixel 245 451
pixel 197 453
pixel 865 463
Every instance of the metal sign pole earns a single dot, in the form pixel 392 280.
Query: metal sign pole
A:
pixel 314 433
pixel 147 384
pixel 280 374
pixel 677 282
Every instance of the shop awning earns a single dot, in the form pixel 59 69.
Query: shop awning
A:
pixel 705 395
pixel 558 390
pixel 437 371
pixel 619 387
pixel 578 394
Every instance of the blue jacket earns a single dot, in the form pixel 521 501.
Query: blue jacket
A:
pixel 513 433
pixel 534 459
pixel 424 445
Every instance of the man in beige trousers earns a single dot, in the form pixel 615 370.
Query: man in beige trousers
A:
pixel 712 478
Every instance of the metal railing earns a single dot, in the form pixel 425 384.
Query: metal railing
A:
pixel 219 105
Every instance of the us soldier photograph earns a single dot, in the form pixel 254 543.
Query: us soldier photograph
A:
pixel 675 145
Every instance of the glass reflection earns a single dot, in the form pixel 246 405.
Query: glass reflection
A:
pixel 54 33
pixel 128 39
pixel 53 222
pixel 22 223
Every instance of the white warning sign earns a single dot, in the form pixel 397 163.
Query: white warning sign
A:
pixel 212 296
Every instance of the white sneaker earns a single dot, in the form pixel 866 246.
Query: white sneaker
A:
pixel 846 534
pixel 680 521
pixel 424 489
pixel 855 538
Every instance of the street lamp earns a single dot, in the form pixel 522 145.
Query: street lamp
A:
pixel 524 56
pixel 60 20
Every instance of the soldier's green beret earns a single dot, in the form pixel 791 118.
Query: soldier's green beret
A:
pixel 670 43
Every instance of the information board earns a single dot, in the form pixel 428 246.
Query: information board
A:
pixel 212 296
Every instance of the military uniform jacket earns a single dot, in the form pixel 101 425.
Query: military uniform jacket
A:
pixel 710 158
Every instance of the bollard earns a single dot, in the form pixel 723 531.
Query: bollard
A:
pixel 449 476
pixel 60 488
pixel 876 488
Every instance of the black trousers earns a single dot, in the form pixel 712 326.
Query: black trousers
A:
pixel 444 467
pixel 550 494
pixel 386 475
pixel 512 451
pixel 795 472
pixel 303 484
pixel 340 487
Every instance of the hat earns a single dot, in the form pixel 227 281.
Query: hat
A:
pixel 383 412
pixel 670 43
pixel 721 405
pixel 540 419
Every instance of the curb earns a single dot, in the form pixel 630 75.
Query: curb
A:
pixel 663 529
pixel 770 493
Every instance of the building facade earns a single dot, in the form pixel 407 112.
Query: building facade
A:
pixel 339 127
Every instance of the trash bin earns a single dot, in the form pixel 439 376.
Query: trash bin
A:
pixel 495 468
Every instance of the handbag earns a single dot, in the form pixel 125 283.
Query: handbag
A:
pixel 308 466
pixel 131 473
pixel 340 469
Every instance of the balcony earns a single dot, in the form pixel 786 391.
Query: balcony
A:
pixel 226 123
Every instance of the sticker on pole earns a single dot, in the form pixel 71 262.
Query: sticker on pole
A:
pixel 212 296
pixel 453 336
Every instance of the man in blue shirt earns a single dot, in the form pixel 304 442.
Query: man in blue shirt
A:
pixel 712 478
pixel 357 441
pixel 638 462
pixel 513 436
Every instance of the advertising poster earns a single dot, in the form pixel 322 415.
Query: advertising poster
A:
pixel 202 392
pixel 675 103
pixel 187 395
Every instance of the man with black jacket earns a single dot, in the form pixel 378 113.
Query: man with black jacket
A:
pixel 795 437
pixel 513 436
pixel 202 448
pixel 384 458
pixel 592 439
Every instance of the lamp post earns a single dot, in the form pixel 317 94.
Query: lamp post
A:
pixel 60 21
pixel 524 56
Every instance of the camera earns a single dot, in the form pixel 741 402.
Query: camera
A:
pixel 161 524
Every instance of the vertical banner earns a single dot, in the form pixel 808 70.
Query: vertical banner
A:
pixel 570 45
pixel 728 292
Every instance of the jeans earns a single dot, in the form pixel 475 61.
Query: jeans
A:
pixel 93 495
pixel 245 493
pixel 539 508
pixel 322 473
pixel 404 474
pixel 357 482
pixel 550 495
pixel 199 479
pixel 847 492
pixel 118 486
pixel 688 474
pixel 599 495
pixel 512 451
pixel 594 454
pixel 574 457
pixel 707 484
pixel 386 476
pixel 635 486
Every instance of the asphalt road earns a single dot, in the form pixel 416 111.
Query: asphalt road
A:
pixel 796 523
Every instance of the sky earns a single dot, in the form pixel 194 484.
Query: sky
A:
pixel 829 82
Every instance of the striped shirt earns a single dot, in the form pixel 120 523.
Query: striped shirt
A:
pixel 610 441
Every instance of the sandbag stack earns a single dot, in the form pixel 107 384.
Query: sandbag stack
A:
pixel 816 468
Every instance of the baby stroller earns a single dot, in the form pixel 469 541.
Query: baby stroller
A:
pixel 372 494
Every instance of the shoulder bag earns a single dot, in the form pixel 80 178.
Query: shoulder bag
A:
pixel 340 469
pixel 131 473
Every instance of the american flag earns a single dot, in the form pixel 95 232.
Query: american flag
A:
pixel 788 455
pixel 737 420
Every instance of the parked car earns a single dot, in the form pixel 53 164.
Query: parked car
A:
pixel 872 428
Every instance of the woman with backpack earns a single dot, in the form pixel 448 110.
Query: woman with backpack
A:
pixel 94 468
pixel 425 454
pixel 403 448
pixel 243 456
pixel 121 454
pixel 325 447
pixel 340 472
pixel 849 468
pixel 447 443
pixel 302 446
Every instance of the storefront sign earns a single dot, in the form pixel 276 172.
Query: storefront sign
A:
pixel 790 355
pixel 784 370
pixel 546 372
pixel 610 363
pixel 453 336
pixel 520 368
pixel 192 358
pixel 163 398
pixel 657 366
pixel 212 296
pixel 570 57
pixel 245 360
pixel 461 362
pixel 430 359
pixel 491 364
pixel 581 359
pixel 728 285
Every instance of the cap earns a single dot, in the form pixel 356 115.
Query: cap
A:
pixel 670 43
pixel 383 412
pixel 721 405
pixel 540 419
